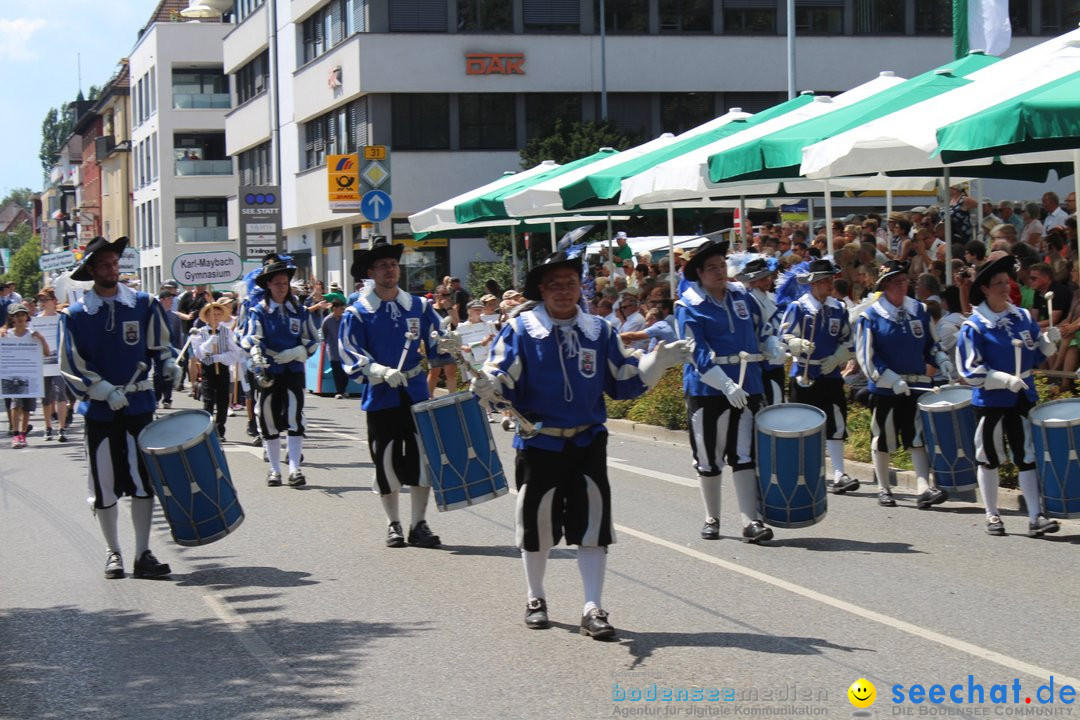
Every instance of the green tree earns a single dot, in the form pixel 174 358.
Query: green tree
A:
pixel 55 130
pixel 574 140
pixel 24 270
pixel 19 196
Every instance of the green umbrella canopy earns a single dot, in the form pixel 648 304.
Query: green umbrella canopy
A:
pixel 1046 118
pixel 603 188
pixel 779 154
pixel 491 207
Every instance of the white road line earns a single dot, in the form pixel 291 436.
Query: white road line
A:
pixel 250 639
pixel 257 452
pixel 667 477
pixel 965 647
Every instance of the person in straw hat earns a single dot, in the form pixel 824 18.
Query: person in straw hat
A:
pixel 215 346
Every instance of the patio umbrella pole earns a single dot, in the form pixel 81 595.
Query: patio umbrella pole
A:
pixel 513 258
pixel 610 248
pixel 948 231
pixel 742 223
pixel 888 203
pixel 828 217
pixel 1076 182
pixel 976 189
pixel 554 240
pixel 671 249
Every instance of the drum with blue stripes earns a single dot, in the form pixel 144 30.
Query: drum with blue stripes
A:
pixel 190 476
pixel 459 451
pixel 1056 435
pixel 791 464
pixel 948 421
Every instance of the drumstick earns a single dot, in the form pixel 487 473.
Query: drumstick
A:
pixel 742 366
pixel 139 369
pixel 805 380
pixel 927 388
pixel 1050 306
pixel 409 337
pixel 1016 353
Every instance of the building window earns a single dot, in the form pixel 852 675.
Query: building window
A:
pixel 331 237
pixel 750 17
pixel 623 16
pixel 331 25
pixel 200 89
pixel 201 220
pixel 542 110
pixel 752 102
pixel 418 16
pixel 819 17
pixel 200 154
pixel 879 17
pixel 485 16
pixel 551 15
pixel 1059 16
pixel 253 78
pixel 421 122
pixel 689 16
pixel 152 91
pixel 487 121
pixel 255 166
pixel 245 8
pixel 342 130
pixel 1020 17
pixel 933 17
pixel 631 112
pixel 680 112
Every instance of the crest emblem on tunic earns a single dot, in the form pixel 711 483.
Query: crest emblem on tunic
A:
pixel 834 326
pixel 740 309
pixel 916 328
pixel 131 332
pixel 294 326
pixel 587 362
pixel 1029 342
pixel 414 325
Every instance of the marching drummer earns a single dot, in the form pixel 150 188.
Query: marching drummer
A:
pixel 214 345
pixel 758 274
pixel 817 333
pixel 895 342
pixel 280 337
pixel 723 383
pixel 380 338
pixel 107 342
pixel 999 344
pixel 554 363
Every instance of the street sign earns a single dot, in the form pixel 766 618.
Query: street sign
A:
pixel 343 191
pixel 374 152
pixel 56 261
pixel 376 205
pixel 375 168
pixel 129 260
pixel 207 268
pixel 260 221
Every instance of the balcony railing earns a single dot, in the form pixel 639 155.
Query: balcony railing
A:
pixel 202 234
pixel 191 101
pixel 204 167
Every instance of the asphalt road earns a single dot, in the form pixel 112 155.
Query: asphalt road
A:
pixel 303 613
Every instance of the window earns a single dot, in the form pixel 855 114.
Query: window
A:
pixel 631 112
pixel 879 17
pixel 1059 16
pixel 542 110
pixel 1020 17
pixel 253 78
pixel 750 17
pixel 152 91
pixel 421 122
pixel 342 130
pixel 485 16
pixel 331 25
pixel 551 15
pixel 200 154
pixel 753 102
pixel 418 16
pixel 623 16
pixel 680 112
pixel 153 151
pixel 686 16
pixel 933 17
pixel 332 237
pixel 245 8
pixel 819 17
pixel 200 89
pixel 201 220
pixel 487 121
pixel 256 166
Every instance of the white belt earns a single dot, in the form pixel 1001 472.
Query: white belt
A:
pixel 147 384
pixel 735 359
pixel 916 378
pixel 413 371
pixel 563 432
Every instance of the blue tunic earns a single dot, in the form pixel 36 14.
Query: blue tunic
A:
pixel 985 343
pixel 272 328
pixel 901 339
pixel 826 325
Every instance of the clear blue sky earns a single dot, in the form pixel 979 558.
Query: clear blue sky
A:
pixel 41 46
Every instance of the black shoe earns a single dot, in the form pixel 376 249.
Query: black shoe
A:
pixel 931 496
pixel 273 479
pixel 48 434
pixel 1042 525
pixel 595 624
pixel 885 499
pixel 394 537
pixel 167 404
pixel 29 429
pixel 296 479
pixel 256 441
pixel 843 484
pixel 252 431
pixel 994 526
pixel 536 616
pixel 61 437
pixel 711 529
pixel 421 536
pixel 756 532
pixel 114 566
pixel 147 566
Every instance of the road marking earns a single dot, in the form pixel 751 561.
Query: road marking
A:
pixel 256 452
pixel 667 477
pixel 250 639
pixel 950 642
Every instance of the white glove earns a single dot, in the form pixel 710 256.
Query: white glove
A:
pixel 117 399
pixel 172 372
pixel 653 365
pixel 1049 340
pixel 101 390
pixel 998 380
pixel 947 369
pixel 889 379
pixel 223 358
pixel 486 389
pixel 718 379
pixel 391 376
pixel 258 359
pixel 449 344
pixel 838 358
pixel 900 387
pixel 293 354
pixel 772 350
pixel 797 346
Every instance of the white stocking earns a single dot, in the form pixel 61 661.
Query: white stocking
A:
pixel 988 486
pixel 107 519
pixel 591 562
pixel 142 511
pixel 921 461
pixel 535 565
pixel 881 468
pixel 710 495
pixel 746 493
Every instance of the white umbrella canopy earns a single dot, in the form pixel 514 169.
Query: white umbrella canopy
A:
pixel 904 140
pixel 687 175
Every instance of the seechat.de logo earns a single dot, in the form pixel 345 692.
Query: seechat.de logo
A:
pixel 260 198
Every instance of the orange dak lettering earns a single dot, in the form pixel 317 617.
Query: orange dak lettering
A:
pixel 494 63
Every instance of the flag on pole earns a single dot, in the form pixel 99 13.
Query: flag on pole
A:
pixel 981 25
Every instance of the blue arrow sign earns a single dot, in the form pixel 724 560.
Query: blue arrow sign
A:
pixel 376 205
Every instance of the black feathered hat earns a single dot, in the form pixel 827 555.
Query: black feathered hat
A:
pixel 702 253
pixel 891 269
pixel 819 270
pixel 364 259
pixel 98 244
pixel 1003 264
pixel 555 261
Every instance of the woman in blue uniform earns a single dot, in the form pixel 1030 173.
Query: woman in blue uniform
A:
pixel 998 346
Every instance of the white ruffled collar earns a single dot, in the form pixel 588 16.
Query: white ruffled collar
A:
pixel 371 301
pixel 694 295
pixel 887 310
pixel 94 302
pixel 991 318
pixel 538 323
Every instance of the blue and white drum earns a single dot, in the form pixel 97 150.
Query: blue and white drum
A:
pixel 459 451
pixel 1056 434
pixel 191 478
pixel 791 464
pixel 948 421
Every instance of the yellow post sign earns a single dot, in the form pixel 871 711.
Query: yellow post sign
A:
pixel 343 182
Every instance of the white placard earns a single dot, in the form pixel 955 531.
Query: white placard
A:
pixel 49 327
pixel 208 268
pixel 21 367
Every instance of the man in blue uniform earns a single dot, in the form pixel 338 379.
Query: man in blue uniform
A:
pixel 895 341
pixel 280 335
pixel 380 338
pixel 818 335
pixel 554 363
pixel 108 341
pixel 997 349
pixel 723 383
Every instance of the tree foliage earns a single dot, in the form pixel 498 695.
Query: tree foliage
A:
pixel 20 196
pixel 574 140
pixel 24 270
pixel 55 129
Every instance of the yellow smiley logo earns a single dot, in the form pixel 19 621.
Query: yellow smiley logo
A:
pixel 862 693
